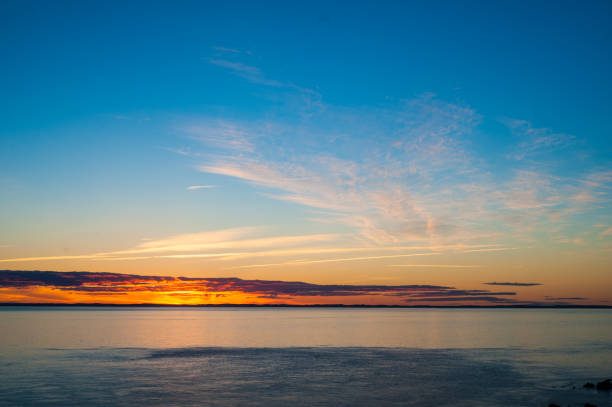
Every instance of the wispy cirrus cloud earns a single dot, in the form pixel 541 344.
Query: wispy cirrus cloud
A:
pixel 535 141
pixel 409 171
pixel 416 179
pixel 513 284
pixel 223 50
pixel 234 60
pixel 368 191
pixel 248 72
pixel 226 238
pixel 214 244
pixel 196 187
pixel 335 260
pixel 237 67
pixel 221 134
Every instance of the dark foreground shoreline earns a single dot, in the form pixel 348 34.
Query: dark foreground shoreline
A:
pixel 149 305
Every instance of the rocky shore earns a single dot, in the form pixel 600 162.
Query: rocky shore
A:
pixel 605 385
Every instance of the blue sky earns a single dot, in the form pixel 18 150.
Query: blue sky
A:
pixel 536 60
pixel 377 124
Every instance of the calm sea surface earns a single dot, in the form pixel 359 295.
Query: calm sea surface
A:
pixel 306 357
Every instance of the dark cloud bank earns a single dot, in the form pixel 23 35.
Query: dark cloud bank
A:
pixel 514 284
pixel 114 283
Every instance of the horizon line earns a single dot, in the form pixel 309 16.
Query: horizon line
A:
pixel 283 305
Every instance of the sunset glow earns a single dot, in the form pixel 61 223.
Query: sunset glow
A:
pixel 106 288
pixel 391 158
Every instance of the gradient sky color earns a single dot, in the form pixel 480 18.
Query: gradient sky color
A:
pixel 356 143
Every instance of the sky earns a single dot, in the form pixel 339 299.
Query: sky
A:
pixel 408 153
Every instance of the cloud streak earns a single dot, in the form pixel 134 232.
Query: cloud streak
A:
pixel 345 259
pixel 211 241
pixel 449 266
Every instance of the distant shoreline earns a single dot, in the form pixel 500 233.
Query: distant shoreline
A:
pixel 147 305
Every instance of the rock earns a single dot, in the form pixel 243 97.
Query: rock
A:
pixel 553 405
pixel 589 385
pixel 589 405
pixel 605 385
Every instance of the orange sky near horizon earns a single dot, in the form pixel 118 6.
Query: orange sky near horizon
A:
pixel 114 288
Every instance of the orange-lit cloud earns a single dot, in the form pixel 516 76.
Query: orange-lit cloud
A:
pixel 85 287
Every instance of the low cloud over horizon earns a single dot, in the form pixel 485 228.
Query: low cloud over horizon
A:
pixel 23 286
pixel 513 284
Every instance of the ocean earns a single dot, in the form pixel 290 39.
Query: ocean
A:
pixel 128 356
